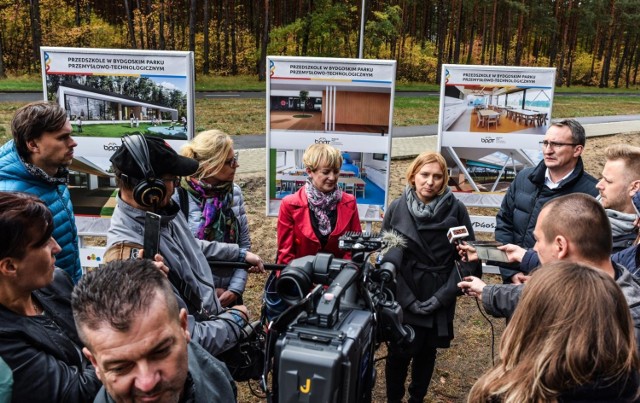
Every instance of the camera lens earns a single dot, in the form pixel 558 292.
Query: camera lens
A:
pixel 294 283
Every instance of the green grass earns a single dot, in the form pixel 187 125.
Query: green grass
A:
pixel 247 116
pixel 116 130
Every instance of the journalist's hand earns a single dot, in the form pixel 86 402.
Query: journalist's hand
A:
pixel 472 286
pixel 257 266
pixel 227 298
pixel 431 305
pixel 514 252
pixel 519 278
pixel 467 252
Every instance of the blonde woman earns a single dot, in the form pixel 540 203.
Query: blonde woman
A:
pixel 571 339
pixel 313 219
pixel 426 279
pixel 214 205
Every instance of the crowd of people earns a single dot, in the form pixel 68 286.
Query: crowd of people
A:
pixel 153 328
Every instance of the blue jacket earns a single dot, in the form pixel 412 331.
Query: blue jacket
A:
pixel 525 198
pixel 628 258
pixel 14 177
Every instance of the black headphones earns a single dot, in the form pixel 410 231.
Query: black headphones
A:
pixel 149 191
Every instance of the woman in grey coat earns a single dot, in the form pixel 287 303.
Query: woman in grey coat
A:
pixel 214 206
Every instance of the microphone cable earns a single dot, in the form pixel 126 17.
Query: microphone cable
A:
pixel 493 334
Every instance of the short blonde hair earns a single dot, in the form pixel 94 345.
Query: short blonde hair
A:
pixel 427 157
pixel 210 148
pixel 630 155
pixel 322 154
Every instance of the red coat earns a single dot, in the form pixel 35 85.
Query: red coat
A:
pixel 296 237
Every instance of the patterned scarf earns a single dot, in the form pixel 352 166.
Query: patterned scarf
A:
pixel 219 222
pixel 61 177
pixel 421 210
pixel 321 203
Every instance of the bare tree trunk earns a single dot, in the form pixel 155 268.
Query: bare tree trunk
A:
pixel 192 25
pixel 234 45
pixel 132 32
pixel 3 74
pixel 163 46
pixel 262 68
pixel 205 46
pixel 140 24
pixel 36 29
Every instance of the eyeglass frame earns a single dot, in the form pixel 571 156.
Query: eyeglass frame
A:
pixel 554 144
pixel 233 160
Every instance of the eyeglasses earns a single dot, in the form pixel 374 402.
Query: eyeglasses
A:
pixel 555 145
pixel 232 161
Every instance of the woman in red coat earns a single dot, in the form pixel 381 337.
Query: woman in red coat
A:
pixel 313 219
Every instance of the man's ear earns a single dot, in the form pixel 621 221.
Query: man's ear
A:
pixel 184 323
pixel 634 187
pixel 32 146
pixel 92 359
pixel 8 267
pixel 561 246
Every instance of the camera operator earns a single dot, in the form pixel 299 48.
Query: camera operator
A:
pixel 213 328
pixel 427 275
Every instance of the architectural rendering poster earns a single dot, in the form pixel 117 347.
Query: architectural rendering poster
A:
pixel 492 120
pixel 108 93
pixel 347 103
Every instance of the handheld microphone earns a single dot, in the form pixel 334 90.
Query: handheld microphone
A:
pixel 456 234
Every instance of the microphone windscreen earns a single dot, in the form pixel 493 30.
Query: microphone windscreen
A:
pixel 392 239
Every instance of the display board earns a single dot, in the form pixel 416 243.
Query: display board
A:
pixel 108 93
pixel 491 123
pixel 347 103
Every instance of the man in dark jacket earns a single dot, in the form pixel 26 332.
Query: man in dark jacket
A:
pixel 561 172
pixel 137 339
pixel 620 181
pixel 572 228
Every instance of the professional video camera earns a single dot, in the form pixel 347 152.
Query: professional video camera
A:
pixel 322 347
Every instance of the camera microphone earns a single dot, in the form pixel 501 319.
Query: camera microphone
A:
pixel 390 262
pixel 456 234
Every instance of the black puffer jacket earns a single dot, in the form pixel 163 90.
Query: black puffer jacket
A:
pixel 525 198
pixel 428 267
pixel 44 351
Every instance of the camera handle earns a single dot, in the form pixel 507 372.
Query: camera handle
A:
pixel 327 309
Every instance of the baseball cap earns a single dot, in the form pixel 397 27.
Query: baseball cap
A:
pixel 163 160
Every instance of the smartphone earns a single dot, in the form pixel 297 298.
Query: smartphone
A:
pixel 488 250
pixel 151 234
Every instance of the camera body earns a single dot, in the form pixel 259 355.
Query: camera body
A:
pixel 326 340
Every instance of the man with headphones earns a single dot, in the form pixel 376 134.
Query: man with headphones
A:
pixel 148 170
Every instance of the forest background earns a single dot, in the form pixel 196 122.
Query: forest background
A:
pixel 591 43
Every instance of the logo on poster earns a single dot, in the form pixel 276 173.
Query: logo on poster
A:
pixel 488 140
pixel 111 147
pixel 322 140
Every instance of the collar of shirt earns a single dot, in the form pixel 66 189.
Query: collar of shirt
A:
pixel 551 184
